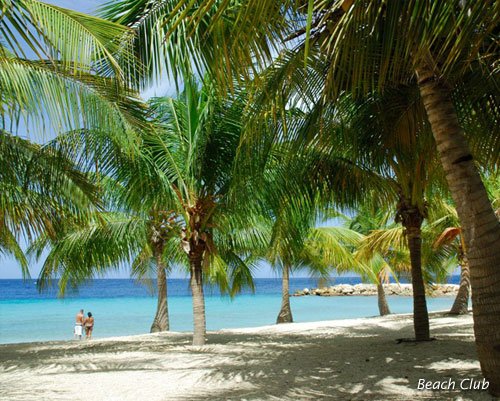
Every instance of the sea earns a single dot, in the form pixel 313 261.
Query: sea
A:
pixel 125 307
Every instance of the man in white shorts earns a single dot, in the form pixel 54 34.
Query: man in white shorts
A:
pixel 79 324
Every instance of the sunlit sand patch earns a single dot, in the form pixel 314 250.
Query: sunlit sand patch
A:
pixel 356 359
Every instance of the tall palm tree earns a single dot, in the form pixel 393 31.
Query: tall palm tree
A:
pixel 395 138
pixel 181 178
pixel 394 142
pixel 376 45
pixel 388 132
pixel 299 189
pixel 196 150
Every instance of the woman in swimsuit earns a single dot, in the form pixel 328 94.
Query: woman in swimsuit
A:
pixel 89 326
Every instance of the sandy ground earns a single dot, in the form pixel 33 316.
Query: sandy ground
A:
pixel 356 359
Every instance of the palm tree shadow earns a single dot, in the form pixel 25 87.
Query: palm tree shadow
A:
pixel 350 366
pixel 357 362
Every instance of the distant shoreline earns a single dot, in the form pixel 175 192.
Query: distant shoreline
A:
pixel 436 290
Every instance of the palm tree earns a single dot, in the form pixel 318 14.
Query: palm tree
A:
pixel 446 219
pixel 386 251
pixel 161 230
pixel 135 225
pixel 180 178
pixel 318 249
pixel 371 216
pixel 398 137
pixel 389 133
pixel 298 190
pixel 376 45
pixel 380 265
pixel 448 234
pixel 109 240
pixel 196 151
pixel 386 133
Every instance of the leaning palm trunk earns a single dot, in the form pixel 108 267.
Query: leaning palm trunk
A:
pixel 285 315
pixel 160 322
pixel 383 306
pixel 481 229
pixel 461 304
pixel 196 283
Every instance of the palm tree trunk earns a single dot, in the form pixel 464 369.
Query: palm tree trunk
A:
pixel 196 283
pixel 420 314
pixel 481 229
pixel 383 306
pixel 285 315
pixel 160 322
pixel 461 304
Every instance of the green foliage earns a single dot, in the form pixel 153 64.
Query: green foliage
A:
pixel 39 189
pixel 219 37
pixel 384 247
pixel 75 72
pixel 196 151
pixel 181 166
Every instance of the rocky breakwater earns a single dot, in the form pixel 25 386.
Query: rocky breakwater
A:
pixel 436 290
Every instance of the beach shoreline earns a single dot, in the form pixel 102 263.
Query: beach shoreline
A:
pixel 357 359
pixel 392 289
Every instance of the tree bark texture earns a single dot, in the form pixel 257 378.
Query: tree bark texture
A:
pixel 160 322
pixel 461 304
pixel 383 306
pixel 196 283
pixel 285 315
pixel 420 314
pixel 480 227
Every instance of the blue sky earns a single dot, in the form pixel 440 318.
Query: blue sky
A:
pixel 8 266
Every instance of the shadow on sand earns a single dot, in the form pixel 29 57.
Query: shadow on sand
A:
pixel 352 363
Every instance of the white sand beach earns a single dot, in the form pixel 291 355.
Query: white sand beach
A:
pixel 357 359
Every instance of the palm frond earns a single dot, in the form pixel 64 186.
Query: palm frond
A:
pixel 9 246
pixel 38 90
pixel 81 42
pixel 215 37
pixel 83 252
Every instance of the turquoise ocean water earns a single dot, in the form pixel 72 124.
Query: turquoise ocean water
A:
pixel 121 307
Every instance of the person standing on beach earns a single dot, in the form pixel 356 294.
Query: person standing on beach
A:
pixel 89 326
pixel 79 324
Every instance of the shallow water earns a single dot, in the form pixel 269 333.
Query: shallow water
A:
pixel 122 308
